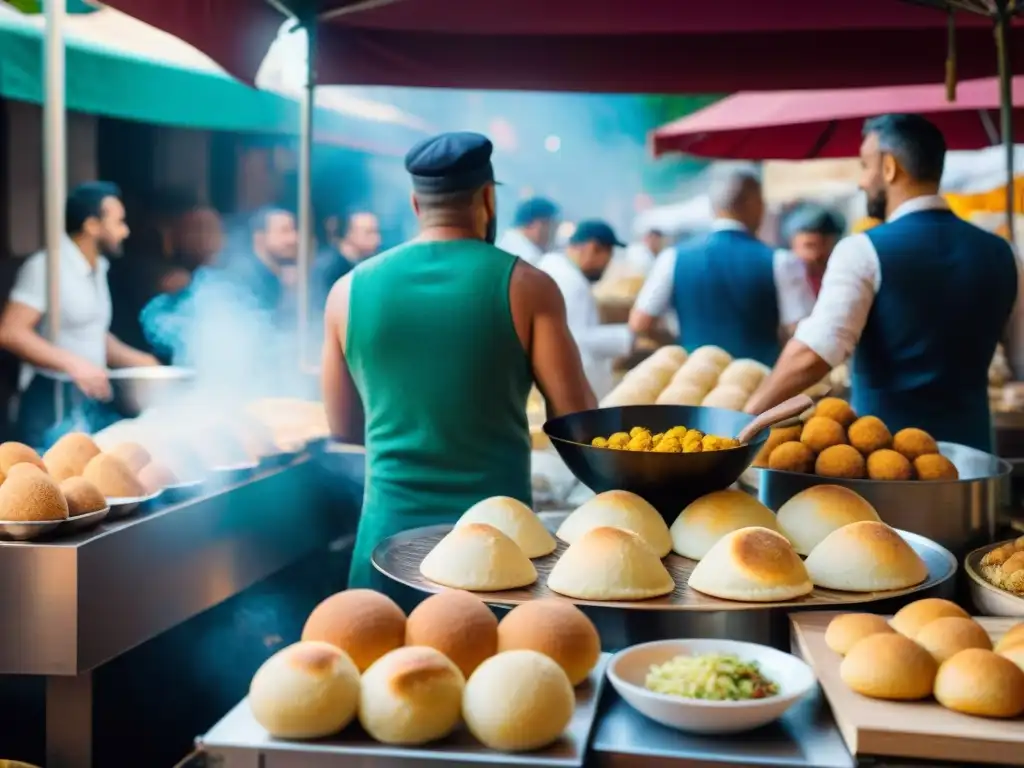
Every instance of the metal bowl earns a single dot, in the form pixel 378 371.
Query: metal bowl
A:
pixel 136 389
pixel 989 599
pixel 125 506
pixel 669 481
pixel 26 531
pixel 958 514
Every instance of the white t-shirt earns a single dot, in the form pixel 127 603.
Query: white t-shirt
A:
pixel 516 243
pixel 85 306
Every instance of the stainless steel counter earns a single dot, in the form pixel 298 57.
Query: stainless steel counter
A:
pixel 73 604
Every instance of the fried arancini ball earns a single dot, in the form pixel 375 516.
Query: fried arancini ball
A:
pixel 668 445
pixel 793 456
pixel 886 464
pixel 843 461
pixel 640 442
pixel 869 434
pixel 935 466
pixel 618 440
pixel 913 442
pixel 599 442
pixel 821 432
pixel 776 437
pixel 1000 555
pixel 836 409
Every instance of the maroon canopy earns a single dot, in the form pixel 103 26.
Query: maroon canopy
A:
pixel 641 46
pixel 797 125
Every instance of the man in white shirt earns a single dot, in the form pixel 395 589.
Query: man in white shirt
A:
pixel 924 298
pixel 95 223
pixel 575 271
pixel 639 257
pixel 728 288
pixel 533 227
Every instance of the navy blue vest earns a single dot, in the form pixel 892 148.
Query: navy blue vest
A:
pixel 948 289
pixel 724 294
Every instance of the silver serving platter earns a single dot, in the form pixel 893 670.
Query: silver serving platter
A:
pixel 26 531
pixel 124 506
pixel 239 740
pixel 399 558
pixel 183 489
pixel 81 523
pixel 989 599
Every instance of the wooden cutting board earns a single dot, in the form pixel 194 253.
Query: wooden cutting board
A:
pixel 921 730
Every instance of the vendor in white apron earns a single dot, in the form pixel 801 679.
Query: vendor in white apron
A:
pixel 575 271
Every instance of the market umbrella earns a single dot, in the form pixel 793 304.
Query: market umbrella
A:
pixel 644 46
pixel 799 125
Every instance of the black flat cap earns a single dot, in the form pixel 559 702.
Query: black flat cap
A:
pixel 450 162
pixel 534 209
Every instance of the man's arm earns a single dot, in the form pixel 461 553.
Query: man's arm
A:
pixel 341 398
pixel 656 295
pixel 554 356
pixel 829 336
pixel 1013 342
pixel 120 355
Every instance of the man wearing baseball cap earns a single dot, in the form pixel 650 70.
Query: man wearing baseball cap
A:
pixel 575 271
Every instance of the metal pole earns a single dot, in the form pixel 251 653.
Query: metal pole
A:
pixel 305 195
pixel 54 168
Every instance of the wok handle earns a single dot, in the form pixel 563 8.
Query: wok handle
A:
pixel 785 410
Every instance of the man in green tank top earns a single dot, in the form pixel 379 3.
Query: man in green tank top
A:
pixel 431 350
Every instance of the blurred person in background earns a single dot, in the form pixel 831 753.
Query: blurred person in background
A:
pixel 924 299
pixel 575 271
pixel 431 350
pixel 85 347
pixel 359 240
pixel 812 232
pixel 639 257
pixel 533 228
pixel 728 288
pixel 268 272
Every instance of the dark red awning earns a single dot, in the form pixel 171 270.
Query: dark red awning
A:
pixel 797 125
pixel 641 46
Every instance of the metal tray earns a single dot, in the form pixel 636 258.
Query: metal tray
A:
pixel 124 506
pixel 399 558
pixel 989 599
pixel 183 490
pixel 238 741
pixel 82 522
pixel 15 531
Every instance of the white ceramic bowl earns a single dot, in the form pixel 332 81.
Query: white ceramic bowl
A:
pixel 628 669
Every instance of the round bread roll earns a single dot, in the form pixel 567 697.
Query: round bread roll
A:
pixel 618 509
pixel 682 393
pixel 12 453
pixel 1014 653
pixel 980 682
pixel 31 495
pixel 889 666
pixel 1014 636
pixel 913 617
pixel 868 556
pixel 811 515
pixel 848 629
pixel 134 455
pixel 726 396
pixel 480 558
pixel 410 696
pixel 363 623
pixel 556 628
pixel 633 391
pixel 82 496
pixel 68 456
pixel 456 623
pixel 754 565
pixel 305 691
pixel 704 521
pixel 518 701
pixel 713 355
pixel 946 637
pixel 745 374
pixel 697 374
pixel 671 355
pixel 155 477
pixel 515 520
pixel 610 564
pixel 113 477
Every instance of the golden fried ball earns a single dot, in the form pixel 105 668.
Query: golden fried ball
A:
pixel 869 434
pixel 836 409
pixel 913 442
pixel 668 445
pixel 637 431
pixel 1000 554
pixel 821 432
pixel 776 437
pixel 935 466
pixel 618 440
pixel 658 438
pixel 793 456
pixel 679 432
pixel 599 442
pixel 887 464
pixel 841 461
pixel 692 445
pixel 640 442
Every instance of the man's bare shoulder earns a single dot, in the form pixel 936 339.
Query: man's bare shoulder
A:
pixel 537 286
pixel 337 300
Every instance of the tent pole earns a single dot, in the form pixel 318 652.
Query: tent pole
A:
pixel 1003 19
pixel 305 202
pixel 54 170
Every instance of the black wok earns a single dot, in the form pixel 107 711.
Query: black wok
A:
pixel 669 481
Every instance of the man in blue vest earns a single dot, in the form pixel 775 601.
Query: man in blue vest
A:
pixel 728 288
pixel 924 298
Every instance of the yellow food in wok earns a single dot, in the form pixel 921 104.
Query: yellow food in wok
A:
pixel 674 440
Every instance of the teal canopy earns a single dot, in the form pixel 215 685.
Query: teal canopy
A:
pixel 112 83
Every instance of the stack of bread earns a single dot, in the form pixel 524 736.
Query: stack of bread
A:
pixel 412 681
pixel 931 647
pixel 123 470
pixel 643 384
pixel 834 442
pixel 35 490
pixel 1003 567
